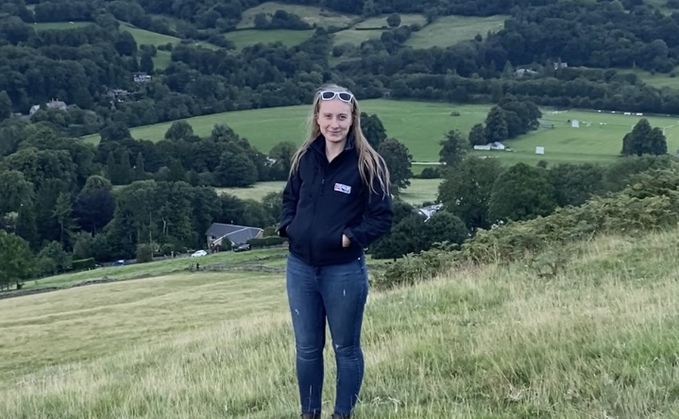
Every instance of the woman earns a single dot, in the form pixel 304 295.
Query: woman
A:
pixel 335 204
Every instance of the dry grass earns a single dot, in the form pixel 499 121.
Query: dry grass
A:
pixel 597 341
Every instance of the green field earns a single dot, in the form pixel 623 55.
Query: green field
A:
pixel 599 138
pixel 310 14
pixel 419 191
pixel 449 30
pixel 249 37
pixel 356 37
pixel 658 79
pixel 597 341
pixel 43 26
pixel 421 126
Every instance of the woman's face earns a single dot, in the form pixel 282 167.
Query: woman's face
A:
pixel 334 119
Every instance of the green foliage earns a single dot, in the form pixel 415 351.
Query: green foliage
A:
pixel 266 242
pixel 644 140
pixel 520 193
pixel 399 162
pixel 454 148
pixel 649 203
pixel 83 264
pixel 144 253
pixel 16 263
pixel 53 259
pixel 466 191
pixel 411 268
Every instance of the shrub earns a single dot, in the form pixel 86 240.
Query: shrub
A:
pixel 266 241
pixel 144 253
pixel 83 264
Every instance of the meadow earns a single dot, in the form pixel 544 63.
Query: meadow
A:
pixel 422 125
pixel 248 37
pixel 596 341
pixel 373 28
pixel 449 30
pixel 310 14
pixel 44 26
pixel 419 191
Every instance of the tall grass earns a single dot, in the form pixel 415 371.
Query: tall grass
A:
pixel 597 341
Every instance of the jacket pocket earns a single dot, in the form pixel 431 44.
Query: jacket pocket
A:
pixel 330 241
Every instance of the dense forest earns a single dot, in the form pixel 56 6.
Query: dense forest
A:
pixel 64 200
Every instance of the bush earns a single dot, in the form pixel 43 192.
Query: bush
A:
pixel 650 202
pixel 266 241
pixel 411 268
pixel 144 253
pixel 430 173
pixel 83 264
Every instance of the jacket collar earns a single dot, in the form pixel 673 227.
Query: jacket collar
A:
pixel 319 143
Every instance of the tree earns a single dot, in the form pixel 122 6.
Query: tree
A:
pixel 5 105
pixel 138 170
pixel 465 191
pixel 235 170
pixel 282 154
pixel 62 212
pixel 520 193
pixel 453 148
pixel 15 190
pixel 146 63
pixel 369 9
pixel 53 259
pixel 477 135
pixel 394 20
pixel 576 183
pixel 16 262
pixel 179 130
pixel 399 161
pixel 405 237
pixel 444 227
pixel 644 140
pixel 373 129
pixel 496 126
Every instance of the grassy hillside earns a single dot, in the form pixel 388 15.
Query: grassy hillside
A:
pixel 43 26
pixel 249 37
pixel 310 14
pixel 598 341
pixel 449 30
pixel 372 28
pixel 421 125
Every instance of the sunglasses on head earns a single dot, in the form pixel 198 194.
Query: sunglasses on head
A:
pixel 343 96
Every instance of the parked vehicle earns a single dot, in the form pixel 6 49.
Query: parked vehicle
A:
pixel 242 247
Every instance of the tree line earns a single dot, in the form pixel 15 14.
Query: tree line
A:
pixel 84 66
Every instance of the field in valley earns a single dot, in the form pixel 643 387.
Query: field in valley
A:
pixel 419 191
pixel 310 14
pixel 421 126
pixel 248 37
pixel 598 341
pixel 449 30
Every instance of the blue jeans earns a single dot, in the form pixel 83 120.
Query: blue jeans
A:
pixel 338 293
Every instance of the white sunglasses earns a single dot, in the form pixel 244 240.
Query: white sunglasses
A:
pixel 330 95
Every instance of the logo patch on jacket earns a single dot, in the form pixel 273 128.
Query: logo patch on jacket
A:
pixel 342 188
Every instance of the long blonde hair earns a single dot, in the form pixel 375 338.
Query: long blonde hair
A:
pixel 370 164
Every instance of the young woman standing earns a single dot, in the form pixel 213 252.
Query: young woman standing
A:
pixel 335 204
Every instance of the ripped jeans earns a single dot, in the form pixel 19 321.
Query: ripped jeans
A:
pixel 338 293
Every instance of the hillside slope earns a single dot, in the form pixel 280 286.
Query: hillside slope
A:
pixel 597 340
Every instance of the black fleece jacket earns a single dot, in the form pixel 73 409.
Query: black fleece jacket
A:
pixel 322 201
